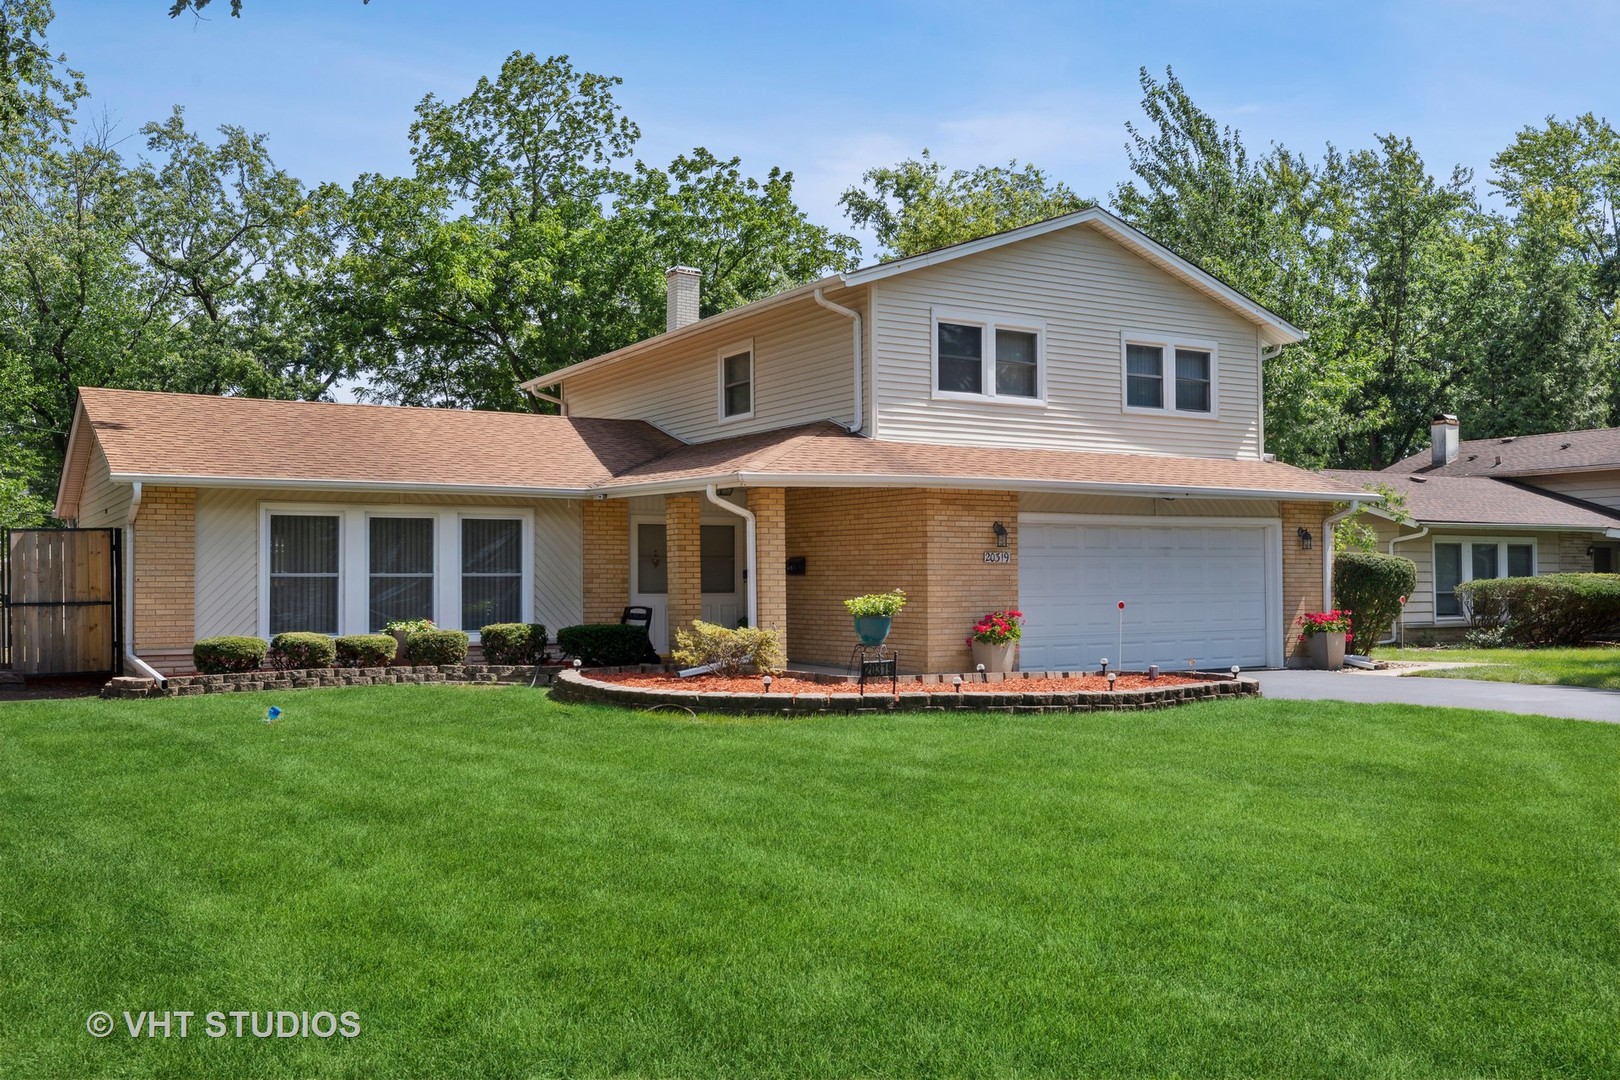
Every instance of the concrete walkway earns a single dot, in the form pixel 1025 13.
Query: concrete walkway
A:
pixel 1573 702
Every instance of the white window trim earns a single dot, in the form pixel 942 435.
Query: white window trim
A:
pixel 1170 343
pixel 744 346
pixel 354 558
pixel 987 358
pixel 1467 565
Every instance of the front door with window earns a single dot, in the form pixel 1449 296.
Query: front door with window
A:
pixel 723 597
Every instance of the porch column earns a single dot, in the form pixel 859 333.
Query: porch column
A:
pixel 607 559
pixel 769 507
pixel 683 544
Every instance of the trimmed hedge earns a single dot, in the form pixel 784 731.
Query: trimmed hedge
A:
pixel 513 643
pixel 1370 585
pixel 366 650
pixel 223 655
pixel 1558 609
pixel 604 644
pixel 292 651
pixel 436 647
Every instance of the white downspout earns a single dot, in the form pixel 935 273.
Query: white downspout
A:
pixel 145 670
pixel 1420 534
pixel 1327 552
pixel 749 554
pixel 855 317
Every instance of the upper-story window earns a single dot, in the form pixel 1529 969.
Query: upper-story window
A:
pixel 1164 375
pixel 737 381
pixel 976 356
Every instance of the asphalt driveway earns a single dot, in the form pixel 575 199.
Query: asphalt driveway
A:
pixel 1573 702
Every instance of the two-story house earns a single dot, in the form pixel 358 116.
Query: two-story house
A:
pixel 1059 418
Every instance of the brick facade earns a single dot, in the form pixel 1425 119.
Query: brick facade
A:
pixel 1301 571
pixel 769 507
pixel 165 569
pixel 607 559
pixel 683 546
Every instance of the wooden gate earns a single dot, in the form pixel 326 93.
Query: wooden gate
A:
pixel 61 609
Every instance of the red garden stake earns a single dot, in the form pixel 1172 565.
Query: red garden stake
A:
pixel 1122 635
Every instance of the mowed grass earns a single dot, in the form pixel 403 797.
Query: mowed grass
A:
pixel 502 887
pixel 1594 665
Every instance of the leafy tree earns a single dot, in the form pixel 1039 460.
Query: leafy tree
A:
pixel 917 206
pixel 180 7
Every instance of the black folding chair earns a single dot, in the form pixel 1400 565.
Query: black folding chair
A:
pixel 639 615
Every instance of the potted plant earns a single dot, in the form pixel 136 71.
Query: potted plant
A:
pixel 1325 633
pixel 874 613
pixel 994 638
pixel 404 628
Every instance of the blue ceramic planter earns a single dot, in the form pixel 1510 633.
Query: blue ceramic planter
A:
pixel 873 629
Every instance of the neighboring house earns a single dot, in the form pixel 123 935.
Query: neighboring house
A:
pixel 1055 418
pixel 1487 508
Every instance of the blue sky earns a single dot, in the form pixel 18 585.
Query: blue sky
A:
pixel 828 90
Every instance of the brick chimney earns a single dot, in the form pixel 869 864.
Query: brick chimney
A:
pixel 1443 440
pixel 681 296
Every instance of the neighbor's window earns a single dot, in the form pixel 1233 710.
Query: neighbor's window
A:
pixel 401 570
pixel 960 359
pixel 736 381
pixel 303 573
pixel 1175 377
pixel 491 572
pixel 1457 561
pixel 718 545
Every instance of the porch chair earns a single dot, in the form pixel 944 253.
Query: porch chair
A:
pixel 639 615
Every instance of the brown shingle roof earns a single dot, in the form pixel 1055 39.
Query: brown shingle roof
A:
pixel 1524 455
pixel 1481 500
pixel 189 435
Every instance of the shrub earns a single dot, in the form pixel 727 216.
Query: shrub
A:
pixel 1370 585
pixel 1559 609
pixel 730 651
pixel 436 647
pixel 289 652
pixel 513 643
pixel 887 603
pixel 223 655
pixel 604 644
pixel 1486 637
pixel 366 650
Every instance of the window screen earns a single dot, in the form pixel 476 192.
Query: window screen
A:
pixel 401 570
pixel 1015 364
pixel 1192 380
pixel 303 574
pixel 1144 376
pixel 491 572
pixel 961 358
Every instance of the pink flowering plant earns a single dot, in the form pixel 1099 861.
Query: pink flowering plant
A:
pixel 998 628
pixel 1325 622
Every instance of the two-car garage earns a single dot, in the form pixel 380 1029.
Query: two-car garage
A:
pixel 1201 590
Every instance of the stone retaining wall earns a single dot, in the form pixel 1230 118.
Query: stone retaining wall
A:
pixel 572 686
pixel 309 678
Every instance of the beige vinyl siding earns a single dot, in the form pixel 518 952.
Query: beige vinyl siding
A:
pixel 803 372
pixel 103 503
pixel 228 552
pixel 1088 290
pixel 1601 486
pixel 1042 503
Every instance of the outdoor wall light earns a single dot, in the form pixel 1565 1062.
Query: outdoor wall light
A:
pixel 1304 535
pixel 1001 533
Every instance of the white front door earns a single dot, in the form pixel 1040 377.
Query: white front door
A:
pixel 649 577
pixel 722 559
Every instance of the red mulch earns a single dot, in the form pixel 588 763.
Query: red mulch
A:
pixel 782 684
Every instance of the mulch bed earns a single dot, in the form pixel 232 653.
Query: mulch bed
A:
pixel 784 684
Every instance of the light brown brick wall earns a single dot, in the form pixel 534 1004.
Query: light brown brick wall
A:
pixel 166 569
pixel 607 559
pixel 769 507
pixel 929 542
pixel 683 538
pixel 1301 570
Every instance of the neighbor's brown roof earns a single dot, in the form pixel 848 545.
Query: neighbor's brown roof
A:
pixel 1524 455
pixel 826 452
pixel 1482 500
pixel 148 435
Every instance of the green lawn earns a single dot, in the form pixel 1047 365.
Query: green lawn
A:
pixel 1597 666
pixel 501 887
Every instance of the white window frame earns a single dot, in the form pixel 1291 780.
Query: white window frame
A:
pixel 1467 565
pixel 744 346
pixel 354 557
pixel 1169 344
pixel 987 358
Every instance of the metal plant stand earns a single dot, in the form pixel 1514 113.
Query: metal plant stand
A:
pixel 876 662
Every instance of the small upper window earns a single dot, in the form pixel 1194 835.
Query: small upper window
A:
pixel 982 358
pixel 1174 377
pixel 961 358
pixel 737 381
pixel 1144 376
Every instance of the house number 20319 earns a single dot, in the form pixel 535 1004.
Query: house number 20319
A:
pixel 998 556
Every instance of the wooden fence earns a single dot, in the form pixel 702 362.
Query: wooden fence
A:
pixel 61 607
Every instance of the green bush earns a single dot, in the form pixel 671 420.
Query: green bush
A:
pixel 730 651
pixel 222 655
pixel 513 643
pixel 436 647
pixel 1558 609
pixel 366 650
pixel 1370 585
pixel 604 644
pixel 295 651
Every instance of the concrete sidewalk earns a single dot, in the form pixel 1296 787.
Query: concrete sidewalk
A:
pixel 1572 702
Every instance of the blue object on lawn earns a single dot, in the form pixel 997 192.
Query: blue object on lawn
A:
pixel 272 715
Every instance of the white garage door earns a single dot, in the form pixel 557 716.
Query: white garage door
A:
pixel 1205 592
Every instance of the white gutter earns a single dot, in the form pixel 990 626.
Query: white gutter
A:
pixel 1327 551
pixel 146 670
pixel 134 512
pixel 750 552
pixel 354 485
pixel 855 319
pixel 1420 534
